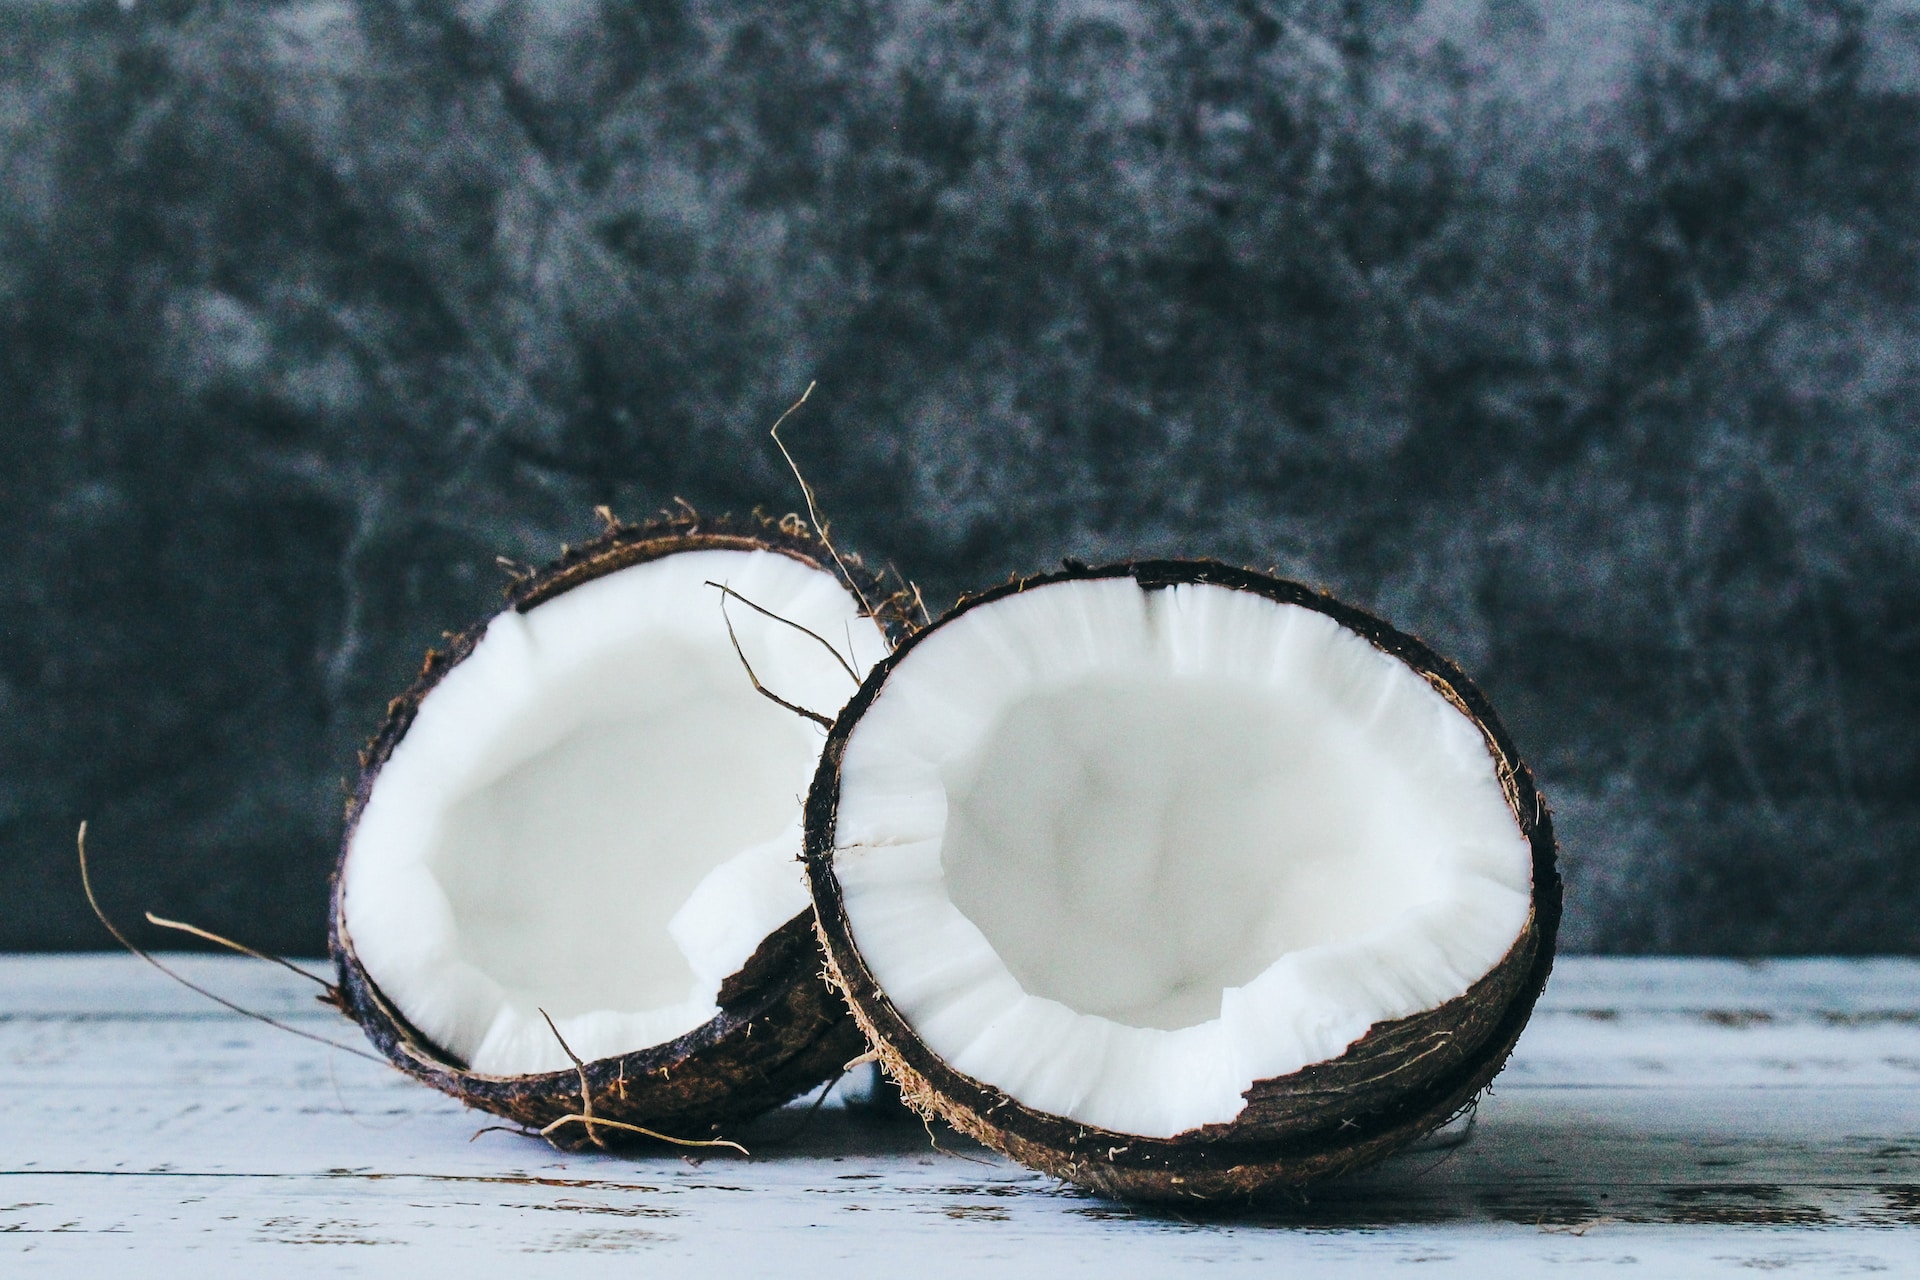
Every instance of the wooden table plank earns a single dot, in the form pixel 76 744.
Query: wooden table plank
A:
pixel 1661 1117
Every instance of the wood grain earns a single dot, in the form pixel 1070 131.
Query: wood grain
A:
pixel 1659 1118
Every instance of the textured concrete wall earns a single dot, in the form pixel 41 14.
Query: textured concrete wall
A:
pixel 1583 339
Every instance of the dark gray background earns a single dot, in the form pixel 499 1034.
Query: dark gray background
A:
pixel 1581 338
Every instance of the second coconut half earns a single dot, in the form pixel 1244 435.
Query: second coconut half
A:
pixel 1178 880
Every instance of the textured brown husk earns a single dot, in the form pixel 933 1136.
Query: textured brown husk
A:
pixel 779 1031
pixel 1401 1080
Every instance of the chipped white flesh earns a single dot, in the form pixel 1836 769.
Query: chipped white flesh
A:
pixel 1121 853
pixel 594 814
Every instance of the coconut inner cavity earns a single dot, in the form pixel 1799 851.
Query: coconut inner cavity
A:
pixel 595 815
pixel 1133 848
pixel 1121 853
pixel 564 871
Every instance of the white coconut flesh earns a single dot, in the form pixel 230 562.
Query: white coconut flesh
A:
pixel 595 815
pixel 1121 853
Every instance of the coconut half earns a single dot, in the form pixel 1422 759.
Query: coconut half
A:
pixel 583 811
pixel 1173 879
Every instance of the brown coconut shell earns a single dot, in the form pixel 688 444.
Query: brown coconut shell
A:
pixel 779 1031
pixel 1400 1081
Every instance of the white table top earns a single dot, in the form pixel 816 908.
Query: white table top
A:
pixel 1660 1118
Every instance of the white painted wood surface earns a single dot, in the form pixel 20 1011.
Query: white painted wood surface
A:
pixel 1661 1118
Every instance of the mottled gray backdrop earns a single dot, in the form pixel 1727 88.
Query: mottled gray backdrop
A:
pixel 1581 338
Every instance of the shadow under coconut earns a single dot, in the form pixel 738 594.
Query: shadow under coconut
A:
pixel 1574 1176
pixel 1537 1163
pixel 839 1130
pixel 852 1118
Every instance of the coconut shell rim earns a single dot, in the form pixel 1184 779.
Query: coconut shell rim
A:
pixel 1213 1159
